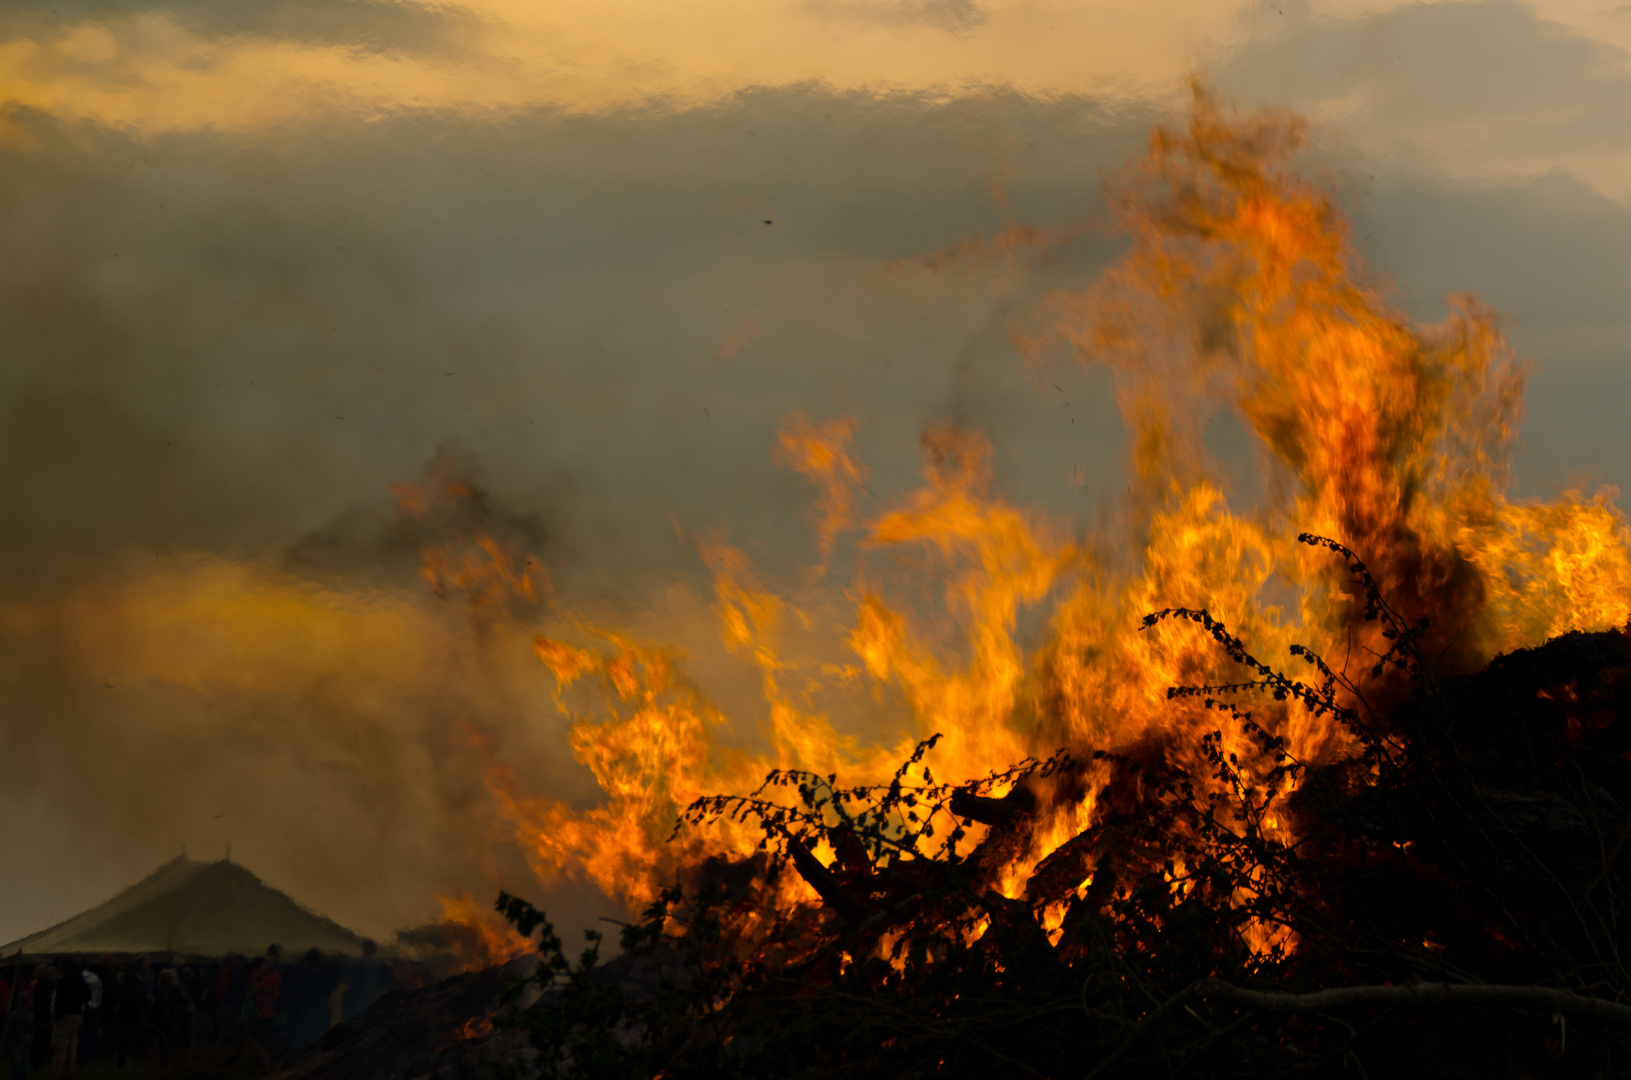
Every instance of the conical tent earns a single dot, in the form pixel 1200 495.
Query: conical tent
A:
pixel 193 909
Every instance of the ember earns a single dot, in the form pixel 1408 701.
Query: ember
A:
pixel 468 937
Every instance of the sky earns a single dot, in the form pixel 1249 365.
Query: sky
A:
pixel 260 262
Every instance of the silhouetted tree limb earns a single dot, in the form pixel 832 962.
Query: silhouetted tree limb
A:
pixel 1419 995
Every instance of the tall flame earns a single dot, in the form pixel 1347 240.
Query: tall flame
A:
pixel 1240 291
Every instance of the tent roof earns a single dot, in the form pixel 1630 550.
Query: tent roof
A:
pixel 194 909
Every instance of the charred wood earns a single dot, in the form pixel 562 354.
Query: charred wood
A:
pixel 987 811
pixel 822 880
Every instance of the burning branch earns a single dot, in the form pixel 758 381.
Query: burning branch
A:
pixel 987 811
pixel 821 879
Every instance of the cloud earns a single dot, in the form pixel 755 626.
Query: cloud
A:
pixel 405 26
pixel 952 16
pixel 187 64
pixel 1482 89
pixel 1552 254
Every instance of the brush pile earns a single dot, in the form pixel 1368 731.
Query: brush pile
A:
pixel 1454 903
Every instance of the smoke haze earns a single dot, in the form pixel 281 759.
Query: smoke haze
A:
pixel 232 318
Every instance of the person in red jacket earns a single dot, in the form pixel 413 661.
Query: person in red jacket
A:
pixel 265 986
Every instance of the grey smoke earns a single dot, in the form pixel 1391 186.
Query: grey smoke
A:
pixel 219 351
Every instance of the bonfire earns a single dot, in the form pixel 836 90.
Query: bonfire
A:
pixel 1322 773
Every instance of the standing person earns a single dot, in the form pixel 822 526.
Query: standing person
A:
pixel 265 987
pixel 208 976
pixel 135 1005
pixel 42 986
pixel 17 986
pixel 251 976
pixel 294 993
pixel 164 1008
pixel 172 1010
pixel 20 1034
pixel 231 986
pixel 369 979
pixel 200 1008
pixel 307 989
pixel 339 970
pixel 15 979
pixel 107 1017
pixel 93 1014
pixel 67 1015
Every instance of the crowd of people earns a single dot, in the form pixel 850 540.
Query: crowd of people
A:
pixel 69 1012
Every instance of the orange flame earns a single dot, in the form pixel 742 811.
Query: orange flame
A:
pixel 821 454
pixel 478 565
pixel 1240 291
pixel 483 570
pixel 475 1028
pixel 440 490
pixel 474 935
pixel 648 753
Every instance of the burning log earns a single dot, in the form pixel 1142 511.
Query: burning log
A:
pixel 822 880
pixel 853 860
pixel 1018 803
pixel 1013 926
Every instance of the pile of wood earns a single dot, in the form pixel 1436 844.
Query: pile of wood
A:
pixel 1482 867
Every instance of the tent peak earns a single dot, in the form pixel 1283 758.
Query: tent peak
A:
pixel 193 908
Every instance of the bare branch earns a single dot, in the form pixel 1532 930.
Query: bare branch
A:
pixel 1420 995
pixel 1542 998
